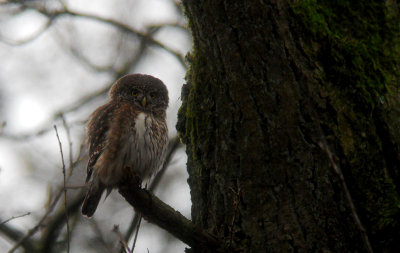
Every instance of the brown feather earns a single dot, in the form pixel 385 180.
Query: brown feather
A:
pixel 126 137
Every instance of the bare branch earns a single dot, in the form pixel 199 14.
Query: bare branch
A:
pixel 121 239
pixel 145 40
pixel 14 217
pixel 120 26
pixel 157 212
pixel 75 52
pixel 137 233
pixel 56 222
pixel 42 131
pixel 33 230
pixel 71 161
pixel 29 39
pixel 65 190
pixel 16 235
pixel 173 25
pixel 83 100
pixel 54 14
pixel 24 240
pixel 102 245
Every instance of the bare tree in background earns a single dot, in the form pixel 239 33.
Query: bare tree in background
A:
pixel 59 229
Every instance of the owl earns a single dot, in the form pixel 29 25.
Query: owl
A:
pixel 127 136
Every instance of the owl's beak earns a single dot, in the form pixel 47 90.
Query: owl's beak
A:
pixel 144 102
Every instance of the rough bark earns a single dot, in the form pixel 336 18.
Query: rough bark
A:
pixel 157 212
pixel 266 85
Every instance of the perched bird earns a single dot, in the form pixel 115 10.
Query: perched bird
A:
pixel 127 136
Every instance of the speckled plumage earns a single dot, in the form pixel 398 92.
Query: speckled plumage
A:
pixel 127 136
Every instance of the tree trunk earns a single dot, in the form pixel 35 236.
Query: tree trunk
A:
pixel 287 104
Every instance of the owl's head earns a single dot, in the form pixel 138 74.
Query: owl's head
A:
pixel 144 91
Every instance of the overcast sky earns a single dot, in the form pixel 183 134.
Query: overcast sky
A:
pixel 40 78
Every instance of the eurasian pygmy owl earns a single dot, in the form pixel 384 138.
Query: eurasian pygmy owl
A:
pixel 127 136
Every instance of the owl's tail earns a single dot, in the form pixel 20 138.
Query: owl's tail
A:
pixel 92 198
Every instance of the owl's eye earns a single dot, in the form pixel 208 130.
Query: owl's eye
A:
pixel 134 93
pixel 153 95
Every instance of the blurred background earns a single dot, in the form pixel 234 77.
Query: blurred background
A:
pixel 57 62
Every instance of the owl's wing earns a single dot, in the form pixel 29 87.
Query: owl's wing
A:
pixel 92 161
pixel 98 126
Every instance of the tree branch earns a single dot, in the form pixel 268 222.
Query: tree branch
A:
pixel 54 14
pixel 22 240
pixel 15 217
pixel 65 190
pixel 15 235
pixel 157 212
pixel 29 39
pixel 57 221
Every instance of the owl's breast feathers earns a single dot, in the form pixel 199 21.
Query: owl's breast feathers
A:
pixel 127 141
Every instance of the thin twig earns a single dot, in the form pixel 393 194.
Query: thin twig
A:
pixel 24 240
pixel 105 245
pixel 172 25
pixel 52 15
pixel 29 39
pixel 81 101
pixel 65 189
pixel 75 52
pixel 324 146
pixel 146 39
pixel 55 223
pixel 122 27
pixel 67 130
pixel 39 224
pixel 121 238
pixel 14 217
pixel 137 233
pixel 15 235
pixel 47 127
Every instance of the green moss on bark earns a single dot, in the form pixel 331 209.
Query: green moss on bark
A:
pixel 247 79
pixel 195 113
pixel 357 45
pixel 359 49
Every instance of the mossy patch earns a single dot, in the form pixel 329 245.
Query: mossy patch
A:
pixel 359 43
pixel 364 166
